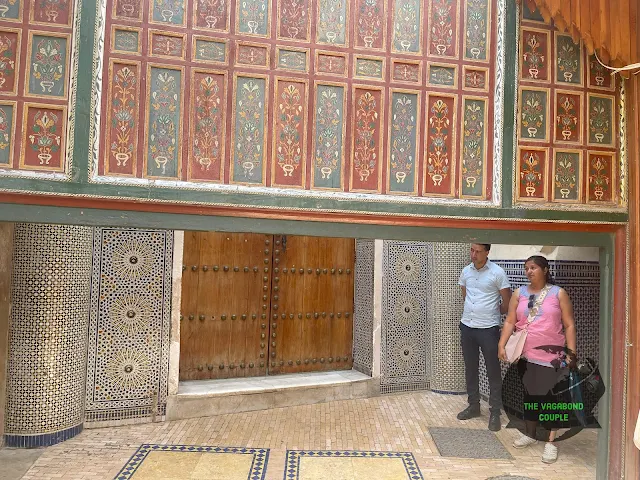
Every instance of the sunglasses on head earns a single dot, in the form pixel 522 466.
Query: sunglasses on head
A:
pixel 531 299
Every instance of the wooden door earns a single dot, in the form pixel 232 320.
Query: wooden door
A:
pixel 224 324
pixel 311 304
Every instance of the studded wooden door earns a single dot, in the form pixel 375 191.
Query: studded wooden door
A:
pixel 311 304
pixel 224 322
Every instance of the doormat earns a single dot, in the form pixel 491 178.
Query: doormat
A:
pixel 182 462
pixel 350 465
pixel 468 443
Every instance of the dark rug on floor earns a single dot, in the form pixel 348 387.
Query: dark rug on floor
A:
pixel 468 443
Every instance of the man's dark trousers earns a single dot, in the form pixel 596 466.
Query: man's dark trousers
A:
pixel 485 339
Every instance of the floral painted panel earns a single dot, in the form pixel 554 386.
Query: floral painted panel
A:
pixel 328 152
pixel 254 55
pixel 406 72
pixel 168 11
pixel 367 140
pixel 601 179
pixel 407 34
pixel 253 17
pixel 10 9
pixel 128 9
pixel 126 40
pixel 211 14
pixel 568 61
pixel 532 173
pixel 43 138
pixel 292 60
pixel 52 12
pixel 332 64
pixel 601 120
pixel 293 19
pixel 209 50
pixel 440 145
pixel 48 66
pixel 369 23
pixel 290 148
pixel 475 79
pixel 164 122
pixel 568 127
pixel 534 64
pixel 533 114
pixel 474 122
pixel 167 45
pixel 442 75
pixel 369 68
pixel 443 28
pixel 9 51
pixel 476 33
pixel 122 119
pixel 249 133
pixel 207 135
pixel 7 123
pixel 403 142
pixel 567 176
pixel 332 22
pixel 599 76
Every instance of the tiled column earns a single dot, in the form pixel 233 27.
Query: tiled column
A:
pixel 48 334
pixel 6 249
pixel 445 310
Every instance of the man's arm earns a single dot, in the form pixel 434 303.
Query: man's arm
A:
pixel 505 293
pixel 464 293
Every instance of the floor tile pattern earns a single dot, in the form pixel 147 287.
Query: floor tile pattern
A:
pixel 468 443
pixel 398 422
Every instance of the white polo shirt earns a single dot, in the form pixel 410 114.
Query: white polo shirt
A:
pixel 482 303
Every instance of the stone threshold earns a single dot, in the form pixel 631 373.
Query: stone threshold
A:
pixel 204 398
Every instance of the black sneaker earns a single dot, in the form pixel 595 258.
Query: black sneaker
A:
pixel 494 422
pixel 472 411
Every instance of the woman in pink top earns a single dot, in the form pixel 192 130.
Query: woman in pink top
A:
pixel 551 334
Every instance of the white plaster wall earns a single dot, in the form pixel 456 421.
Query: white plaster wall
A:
pixel 521 252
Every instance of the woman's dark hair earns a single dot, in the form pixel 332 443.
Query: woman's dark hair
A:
pixel 543 263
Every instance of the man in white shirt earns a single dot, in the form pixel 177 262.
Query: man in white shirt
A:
pixel 483 284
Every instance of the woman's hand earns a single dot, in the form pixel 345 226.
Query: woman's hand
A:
pixel 502 354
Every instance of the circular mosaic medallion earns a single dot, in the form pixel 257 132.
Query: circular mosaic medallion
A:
pixel 408 267
pixel 405 355
pixel 407 310
pixel 133 259
pixel 129 369
pixel 131 313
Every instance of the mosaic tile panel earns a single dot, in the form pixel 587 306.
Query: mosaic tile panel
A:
pixel 406 290
pixel 445 310
pixel 47 339
pixel 151 461
pixel 581 280
pixel 128 359
pixel 363 309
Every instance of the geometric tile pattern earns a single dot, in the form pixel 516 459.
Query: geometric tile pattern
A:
pixel 581 280
pixel 405 329
pixel 128 354
pixel 445 310
pixel 363 310
pixel 300 464
pixel 48 329
pixel 468 443
pixel 259 459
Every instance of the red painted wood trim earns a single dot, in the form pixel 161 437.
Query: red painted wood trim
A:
pixel 294 214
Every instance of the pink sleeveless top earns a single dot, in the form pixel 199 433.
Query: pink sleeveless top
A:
pixel 546 328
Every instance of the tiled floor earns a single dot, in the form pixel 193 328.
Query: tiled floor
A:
pixel 392 423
